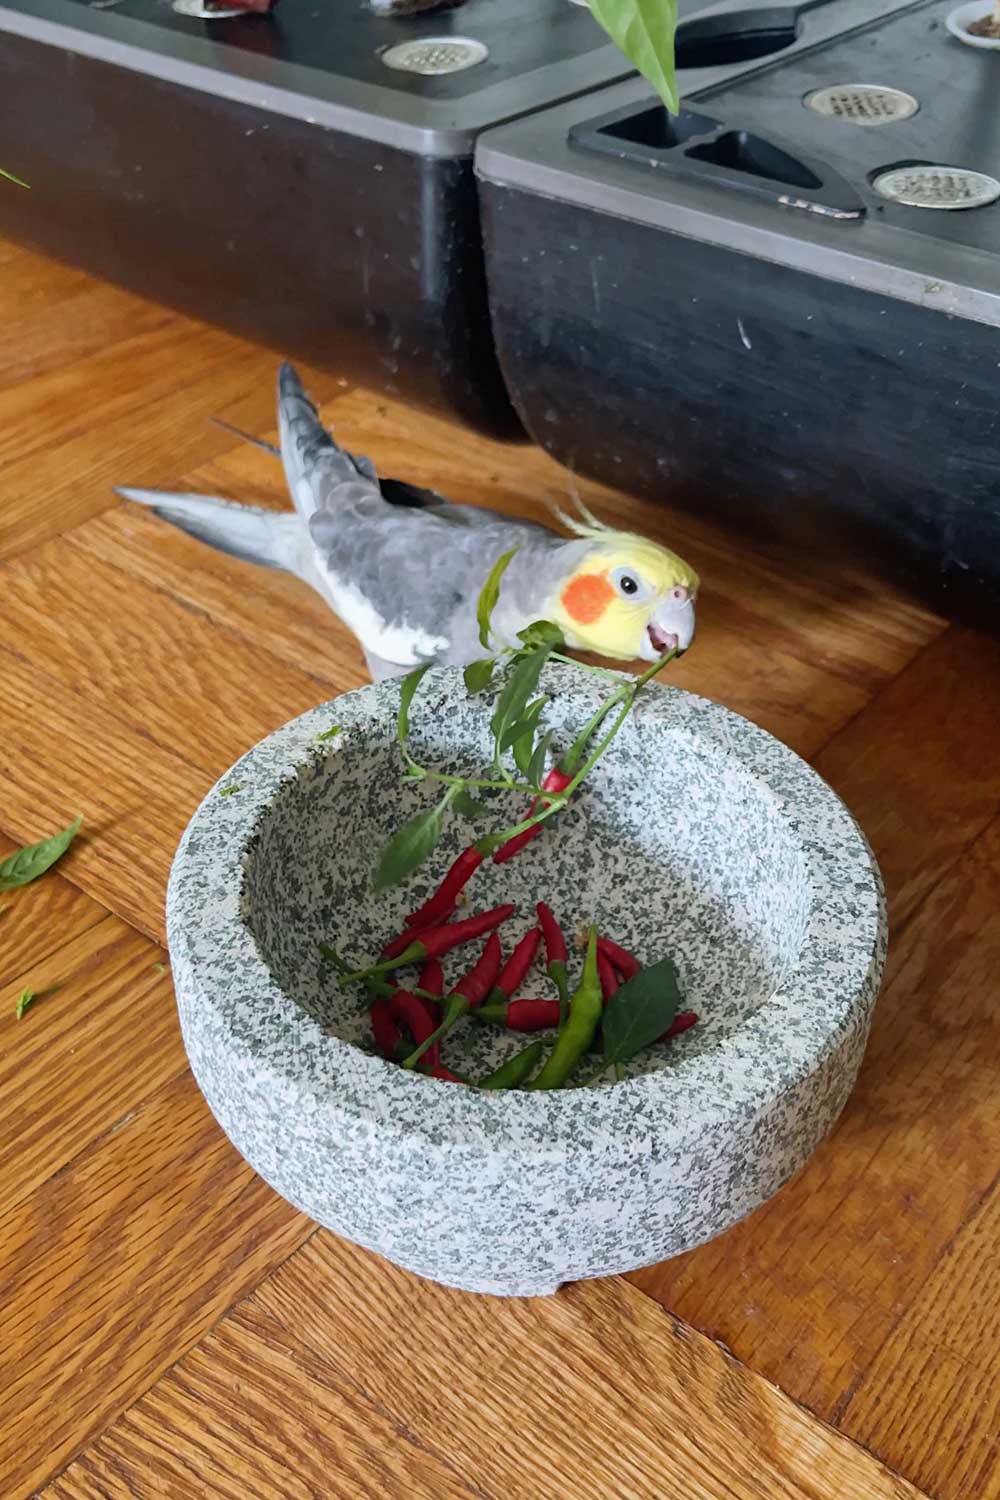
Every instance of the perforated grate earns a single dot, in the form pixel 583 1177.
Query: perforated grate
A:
pixel 862 103
pixel 432 55
pixel 937 187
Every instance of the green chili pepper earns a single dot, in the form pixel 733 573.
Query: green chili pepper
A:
pixel 586 1007
pixel 512 1073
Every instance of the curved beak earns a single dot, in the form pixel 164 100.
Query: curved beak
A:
pixel 670 629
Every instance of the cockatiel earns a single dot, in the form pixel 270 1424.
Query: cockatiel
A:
pixel 404 568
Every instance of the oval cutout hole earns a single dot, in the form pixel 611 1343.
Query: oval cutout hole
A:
pixel 742 152
pixel 715 41
pixel 657 130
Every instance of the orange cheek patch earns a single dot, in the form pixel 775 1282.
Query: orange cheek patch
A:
pixel 587 597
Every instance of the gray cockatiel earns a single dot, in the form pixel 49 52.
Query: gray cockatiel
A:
pixel 404 568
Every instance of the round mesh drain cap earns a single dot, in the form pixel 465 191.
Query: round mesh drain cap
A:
pixel 863 103
pixel 202 11
pixel 434 55
pixel 937 187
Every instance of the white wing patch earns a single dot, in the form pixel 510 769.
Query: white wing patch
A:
pixel 403 645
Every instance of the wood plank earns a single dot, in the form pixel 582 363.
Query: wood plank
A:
pixel 251 1415
pixel 592 1393
pixel 164 670
pixel 135 413
pixel 808 1289
pixel 920 768
pixel 933 1391
pixel 62 315
pixel 65 755
pixel 36 919
pixel 80 1058
pixel 118 1265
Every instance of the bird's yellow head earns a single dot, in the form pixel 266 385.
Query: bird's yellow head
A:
pixel 627 597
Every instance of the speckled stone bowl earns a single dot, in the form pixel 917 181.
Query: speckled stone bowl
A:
pixel 698 835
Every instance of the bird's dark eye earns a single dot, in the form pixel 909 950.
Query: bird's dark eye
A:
pixel 630 585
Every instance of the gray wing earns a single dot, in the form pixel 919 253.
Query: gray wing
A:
pixel 415 559
pixel 422 568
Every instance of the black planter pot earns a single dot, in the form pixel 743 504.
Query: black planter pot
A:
pixel 271 173
pixel 726 311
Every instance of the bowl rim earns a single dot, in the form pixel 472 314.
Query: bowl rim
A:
pixel 957 22
pixel 223 984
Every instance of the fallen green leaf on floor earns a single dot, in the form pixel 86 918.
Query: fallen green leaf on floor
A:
pixel 328 734
pixel 27 864
pixel 27 997
pixel 15 180
pixel 159 968
pixel 227 791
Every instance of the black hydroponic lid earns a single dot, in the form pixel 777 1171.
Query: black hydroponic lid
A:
pixel 945 259
pixel 343 38
pixel 321 59
pixel 957 123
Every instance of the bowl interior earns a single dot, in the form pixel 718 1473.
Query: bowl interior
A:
pixel 672 847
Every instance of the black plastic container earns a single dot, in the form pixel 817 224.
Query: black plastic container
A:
pixel 272 174
pixel 725 311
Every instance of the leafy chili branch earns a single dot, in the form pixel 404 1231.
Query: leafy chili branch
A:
pixel 516 727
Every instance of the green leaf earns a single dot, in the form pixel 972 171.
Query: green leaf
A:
pixel 536 766
pixel 15 180
pixel 159 968
pixel 27 864
pixel 522 735
pixel 465 804
pixel 541 633
pixel 478 675
pixel 328 734
pixel 28 997
pixel 640 1012
pixel 408 848
pixel 644 30
pixel 489 596
pixel 229 791
pixel 520 685
pixel 409 686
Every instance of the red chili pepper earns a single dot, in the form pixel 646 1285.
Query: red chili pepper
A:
pixel 385 1029
pixel 441 905
pixel 555 953
pixel 555 781
pixel 398 944
pixel 683 1021
pixel 610 983
pixel 625 962
pixel 476 985
pixel 511 976
pixel 415 1013
pixel 440 1071
pixel 432 978
pixel 532 1015
pixel 555 943
pixel 520 1015
pixel 466 995
pixel 435 942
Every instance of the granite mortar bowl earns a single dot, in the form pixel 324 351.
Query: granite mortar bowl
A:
pixel 698 835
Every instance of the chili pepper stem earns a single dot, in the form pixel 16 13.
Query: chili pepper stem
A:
pixel 457 1007
pixel 410 955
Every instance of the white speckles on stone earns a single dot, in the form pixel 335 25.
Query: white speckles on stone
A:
pixel 698 835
